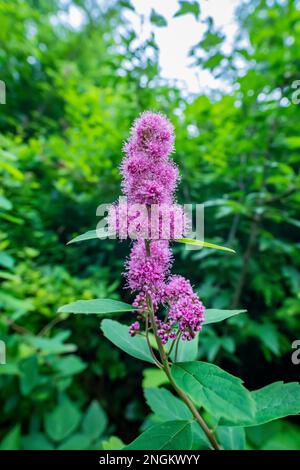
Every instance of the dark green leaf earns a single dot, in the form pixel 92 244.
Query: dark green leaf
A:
pixel 12 439
pixel 62 421
pixel 171 435
pixel 36 441
pixel 220 393
pixel 76 442
pixel 94 421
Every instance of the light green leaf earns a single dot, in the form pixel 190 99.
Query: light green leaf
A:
pixel 213 315
pixel 113 443
pixel 220 393
pixel 118 334
pixel 165 405
pixel 90 235
pixel 5 203
pixel 62 421
pixel 94 421
pixel 191 241
pixel 188 7
pixel 50 345
pixel 9 369
pixel 70 365
pixel 293 142
pixel 171 435
pixel 6 260
pixel 96 306
pixel 153 377
pixel 231 438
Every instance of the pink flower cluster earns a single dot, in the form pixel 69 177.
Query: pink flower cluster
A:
pixel 186 311
pixel 149 177
pixel 155 222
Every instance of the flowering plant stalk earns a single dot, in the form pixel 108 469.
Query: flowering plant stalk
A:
pixel 168 314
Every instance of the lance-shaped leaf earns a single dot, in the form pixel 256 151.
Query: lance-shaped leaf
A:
pixel 134 346
pixel 213 315
pixel 203 244
pixel 96 306
pixel 220 393
pixel 171 435
pixel 90 235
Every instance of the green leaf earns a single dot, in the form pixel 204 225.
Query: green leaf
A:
pixel 153 377
pixel 200 440
pixel 76 442
pixel 5 203
pixel 29 374
pixel 186 351
pixel 6 260
pixel 113 443
pixel 165 405
pixel 293 142
pixel 94 421
pixel 287 439
pixel 269 336
pixel 220 393
pixel 12 439
pixel 96 306
pixel 231 438
pixel 62 421
pixel 9 369
pixel 188 7
pixel 36 441
pixel 157 19
pixel 275 401
pixel 171 435
pixel 50 345
pixel 90 235
pixel 213 315
pixel 134 346
pixel 191 241
pixel 70 365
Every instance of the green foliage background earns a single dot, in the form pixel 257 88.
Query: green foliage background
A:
pixel 72 94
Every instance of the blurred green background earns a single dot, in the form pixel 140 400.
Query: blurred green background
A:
pixel 71 96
